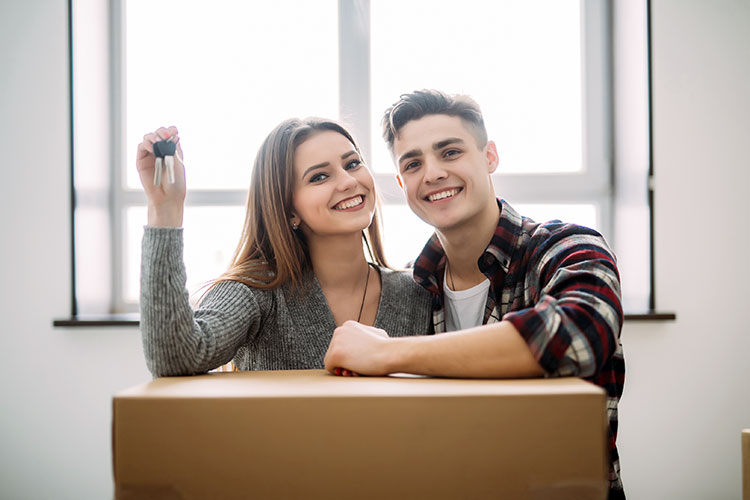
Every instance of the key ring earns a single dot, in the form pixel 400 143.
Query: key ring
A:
pixel 165 151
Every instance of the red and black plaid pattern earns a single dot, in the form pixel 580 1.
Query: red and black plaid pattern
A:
pixel 559 286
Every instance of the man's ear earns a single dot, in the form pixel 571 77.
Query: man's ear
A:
pixel 492 157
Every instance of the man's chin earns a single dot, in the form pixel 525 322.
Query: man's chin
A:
pixel 442 223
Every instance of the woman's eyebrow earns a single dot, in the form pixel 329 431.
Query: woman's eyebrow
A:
pixel 314 167
pixel 325 164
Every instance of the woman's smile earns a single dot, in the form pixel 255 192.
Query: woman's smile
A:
pixel 350 204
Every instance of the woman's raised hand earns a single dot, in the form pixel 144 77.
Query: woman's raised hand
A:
pixel 165 201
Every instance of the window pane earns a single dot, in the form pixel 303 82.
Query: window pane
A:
pixel 135 219
pixel 225 74
pixel 581 214
pixel 211 235
pixel 404 234
pixel 521 61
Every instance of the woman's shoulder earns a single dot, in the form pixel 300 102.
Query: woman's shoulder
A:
pixel 400 281
pixel 393 276
pixel 233 290
pixel 405 306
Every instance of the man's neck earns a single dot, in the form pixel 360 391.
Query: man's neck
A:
pixel 464 244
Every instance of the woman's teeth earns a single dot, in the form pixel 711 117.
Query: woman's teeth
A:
pixel 443 194
pixel 353 202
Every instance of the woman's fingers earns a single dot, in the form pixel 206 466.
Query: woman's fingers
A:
pixel 344 372
pixel 150 176
pixel 164 186
pixel 168 134
pixel 161 134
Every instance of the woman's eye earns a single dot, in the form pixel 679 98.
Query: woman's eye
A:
pixel 318 177
pixel 353 164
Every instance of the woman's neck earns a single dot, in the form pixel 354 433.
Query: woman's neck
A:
pixel 338 261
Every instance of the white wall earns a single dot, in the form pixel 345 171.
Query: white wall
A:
pixel 55 384
pixel 686 396
pixel 687 390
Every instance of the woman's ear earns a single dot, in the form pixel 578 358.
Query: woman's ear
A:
pixel 295 221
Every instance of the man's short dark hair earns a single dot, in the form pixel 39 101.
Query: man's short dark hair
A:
pixel 421 103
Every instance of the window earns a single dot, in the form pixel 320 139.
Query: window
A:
pixel 225 75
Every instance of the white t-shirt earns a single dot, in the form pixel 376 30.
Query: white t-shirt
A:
pixel 465 308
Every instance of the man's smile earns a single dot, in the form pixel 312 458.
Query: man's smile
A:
pixel 443 194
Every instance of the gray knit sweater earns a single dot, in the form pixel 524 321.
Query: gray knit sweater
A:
pixel 259 329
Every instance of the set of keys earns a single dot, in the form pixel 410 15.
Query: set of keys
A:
pixel 164 151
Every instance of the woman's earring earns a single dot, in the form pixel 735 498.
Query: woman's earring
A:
pixel 295 226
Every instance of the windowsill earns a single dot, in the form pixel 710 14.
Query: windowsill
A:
pixel 651 316
pixel 133 319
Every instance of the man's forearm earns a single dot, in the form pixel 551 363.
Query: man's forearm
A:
pixel 489 351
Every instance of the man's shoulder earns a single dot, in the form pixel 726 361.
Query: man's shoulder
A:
pixel 554 240
pixel 554 231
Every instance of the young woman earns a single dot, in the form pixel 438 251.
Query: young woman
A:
pixel 299 270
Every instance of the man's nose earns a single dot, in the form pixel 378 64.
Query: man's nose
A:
pixel 433 170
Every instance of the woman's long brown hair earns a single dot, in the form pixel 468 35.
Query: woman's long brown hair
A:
pixel 270 252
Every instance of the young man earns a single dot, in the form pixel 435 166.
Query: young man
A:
pixel 516 298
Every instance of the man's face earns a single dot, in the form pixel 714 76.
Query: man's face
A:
pixel 445 174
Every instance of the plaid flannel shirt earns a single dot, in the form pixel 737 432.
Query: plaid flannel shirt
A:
pixel 559 286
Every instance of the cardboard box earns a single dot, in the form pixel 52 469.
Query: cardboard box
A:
pixel 746 464
pixel 308 434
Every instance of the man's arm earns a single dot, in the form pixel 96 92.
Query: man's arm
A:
pixel 572 329
pixel 489 351
pixel 573 326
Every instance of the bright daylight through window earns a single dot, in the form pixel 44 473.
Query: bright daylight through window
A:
pixel 226 75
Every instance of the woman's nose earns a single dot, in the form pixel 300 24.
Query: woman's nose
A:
pixel 347 181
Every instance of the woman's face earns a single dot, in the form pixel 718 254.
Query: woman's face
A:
pixel 333 189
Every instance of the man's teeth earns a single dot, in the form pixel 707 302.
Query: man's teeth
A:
pixel 350 203
pixel 443 194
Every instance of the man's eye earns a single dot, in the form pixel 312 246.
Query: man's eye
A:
pixel 451 152
pixel 318 177
pixel 411 165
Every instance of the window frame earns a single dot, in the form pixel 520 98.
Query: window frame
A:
pixel 598 175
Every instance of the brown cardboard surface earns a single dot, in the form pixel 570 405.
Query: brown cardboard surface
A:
pixel 307 434
pixel 746 464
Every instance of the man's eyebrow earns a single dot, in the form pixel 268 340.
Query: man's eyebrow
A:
pixel 447 142
pixel 409 154
pixel 438 145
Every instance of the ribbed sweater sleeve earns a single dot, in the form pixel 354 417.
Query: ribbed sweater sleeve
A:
pixel 176 339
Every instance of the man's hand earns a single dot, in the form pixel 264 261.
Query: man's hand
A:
pixel 357 349
pixel 496 350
